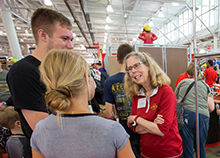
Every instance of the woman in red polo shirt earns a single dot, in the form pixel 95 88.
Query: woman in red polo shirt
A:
pixel 146 82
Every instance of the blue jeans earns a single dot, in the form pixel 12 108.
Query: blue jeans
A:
pixel 188 134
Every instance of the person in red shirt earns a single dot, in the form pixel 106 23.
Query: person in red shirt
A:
pixel 210 74
pixel 147 36
pixel 147 83
pixel 188 74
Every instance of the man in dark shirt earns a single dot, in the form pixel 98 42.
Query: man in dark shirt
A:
pixel 51 30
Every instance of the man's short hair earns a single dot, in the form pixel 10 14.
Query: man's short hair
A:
pixel 123 50
pixel 210 62
pixel 46 19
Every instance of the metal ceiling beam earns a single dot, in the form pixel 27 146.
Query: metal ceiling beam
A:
pixel 76 21
pixel 214 35
pixel 87 24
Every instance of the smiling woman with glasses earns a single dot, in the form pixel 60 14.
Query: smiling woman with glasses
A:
pixel 135 66
pixel 153 112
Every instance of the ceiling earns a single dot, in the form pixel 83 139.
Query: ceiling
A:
pixel 139 13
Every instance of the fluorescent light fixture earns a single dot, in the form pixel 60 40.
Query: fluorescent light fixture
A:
pixel 151 23
pixel 77 39
pixel 160 14
pixel 21 40
pixel 108 19
pixel 202 51
pixel 107 27
pixel 175 4
pixel 48 2
pixel 74 35
pixel 109 8
pixel 18 28
pixel 104 46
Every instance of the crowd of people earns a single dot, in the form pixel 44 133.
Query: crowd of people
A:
pixel 51 90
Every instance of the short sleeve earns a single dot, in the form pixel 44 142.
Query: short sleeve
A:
pixel 119 136
pixel 34 139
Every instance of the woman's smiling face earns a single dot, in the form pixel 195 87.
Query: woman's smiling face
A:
pixel 137 70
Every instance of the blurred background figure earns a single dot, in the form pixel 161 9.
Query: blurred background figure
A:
pixel 188 74
pixel 205 106
pixel 4 90
pixel 98 65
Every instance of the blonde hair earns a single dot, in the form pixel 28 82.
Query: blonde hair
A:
pixel 156 74
pixel 8 117
pixel 65 74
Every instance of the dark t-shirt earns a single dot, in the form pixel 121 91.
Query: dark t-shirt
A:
pixel 27 89
pixel 114 93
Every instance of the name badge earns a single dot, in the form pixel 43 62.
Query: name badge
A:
pixel 141 103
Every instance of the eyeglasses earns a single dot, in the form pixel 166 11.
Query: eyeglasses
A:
pixel 135 66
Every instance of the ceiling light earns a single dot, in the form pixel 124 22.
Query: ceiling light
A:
pixel 108 19
pixel 104 46
pixel 107 27
pixel 74 34
pixel 109 8
pixel 126 15
pixel 18 28
pixel 21 40
pixel 1 32
pixel 26 31
pixel 106 34
pixel 175 4
pixel 134 39
pixel 160 14
pixel 151 23
pixel 48 2
pixel 77 39
pixel 202 51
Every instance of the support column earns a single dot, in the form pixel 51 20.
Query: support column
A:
pixel 10 31
pixel 215 44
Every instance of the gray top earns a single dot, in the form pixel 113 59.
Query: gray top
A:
pixel 15 147
pixel 81 135
pixel 189 102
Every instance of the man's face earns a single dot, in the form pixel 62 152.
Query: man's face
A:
pixel 61 38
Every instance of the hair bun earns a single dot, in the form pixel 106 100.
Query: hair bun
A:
pixel 64 90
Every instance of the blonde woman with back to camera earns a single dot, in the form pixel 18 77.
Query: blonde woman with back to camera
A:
pixel 73 131
pixel 153 112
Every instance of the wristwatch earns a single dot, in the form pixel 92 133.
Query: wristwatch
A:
pixel 135 121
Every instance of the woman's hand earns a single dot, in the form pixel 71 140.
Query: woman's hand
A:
pixel 130 120
pixel 159 119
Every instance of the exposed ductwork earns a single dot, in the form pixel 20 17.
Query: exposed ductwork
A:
pixel 76 21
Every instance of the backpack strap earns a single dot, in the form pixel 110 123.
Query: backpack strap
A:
pixel 188 89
